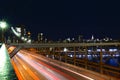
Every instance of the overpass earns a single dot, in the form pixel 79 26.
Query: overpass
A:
pixel 78 55
pixel 38 45
pixel 53 45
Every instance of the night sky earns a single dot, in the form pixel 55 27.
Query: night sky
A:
pixel 63 19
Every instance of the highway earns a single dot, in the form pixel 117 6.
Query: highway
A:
pixel 30 66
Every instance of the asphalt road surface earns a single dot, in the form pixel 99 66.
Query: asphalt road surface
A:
pixel 33 67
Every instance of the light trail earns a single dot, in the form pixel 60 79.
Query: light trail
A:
pixel 49 68
pixel 78 74
pixel 28 70
pixel 67 69
pixel 43 71
pixel 24 67
pixel 16 70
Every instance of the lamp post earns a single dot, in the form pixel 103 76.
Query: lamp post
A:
pixel 3 25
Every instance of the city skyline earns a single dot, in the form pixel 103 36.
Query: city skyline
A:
pixel 63 19
pixel 19 34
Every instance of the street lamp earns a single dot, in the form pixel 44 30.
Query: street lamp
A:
pixel 3 25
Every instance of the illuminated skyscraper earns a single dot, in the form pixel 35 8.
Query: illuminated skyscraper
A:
pixel 40 37
pixel 92 38
pixel 80 38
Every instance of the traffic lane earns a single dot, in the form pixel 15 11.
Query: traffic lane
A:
pixel 49 74
pixel 69 74
pixel 16 70
pixel 22 69
pixel 83 73
pixel 30 70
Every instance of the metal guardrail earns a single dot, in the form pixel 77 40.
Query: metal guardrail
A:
pixel 35 45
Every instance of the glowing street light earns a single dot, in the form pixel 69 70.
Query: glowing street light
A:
pixel 3 25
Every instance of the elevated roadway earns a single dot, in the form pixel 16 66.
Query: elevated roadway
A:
pixel 79 57
pixel 49 45
pixel 39 45
pixel 39 67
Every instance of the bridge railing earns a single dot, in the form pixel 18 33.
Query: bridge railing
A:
pixel 27 45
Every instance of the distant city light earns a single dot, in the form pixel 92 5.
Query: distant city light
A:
pixel 65 50
pixel 22 38
pixel 68 39
pixel 41 34
pixel 25 39
pixel 29 33
pixel 113 50
pixel 99 50
pixel 89 50
pixel 29 41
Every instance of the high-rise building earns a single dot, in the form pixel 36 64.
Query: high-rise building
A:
pixel 80 38
pixel 92 38
pixel 40 37
pixel 22 30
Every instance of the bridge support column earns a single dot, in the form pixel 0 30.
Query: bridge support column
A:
pixel 48 52
pixel 101 63
pixel 44 51
pixel 86 60
pixel 66 54
pixel 59 53
pixel 74 56
pixel 53 53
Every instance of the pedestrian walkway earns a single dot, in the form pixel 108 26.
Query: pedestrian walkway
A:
pixel 6 68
